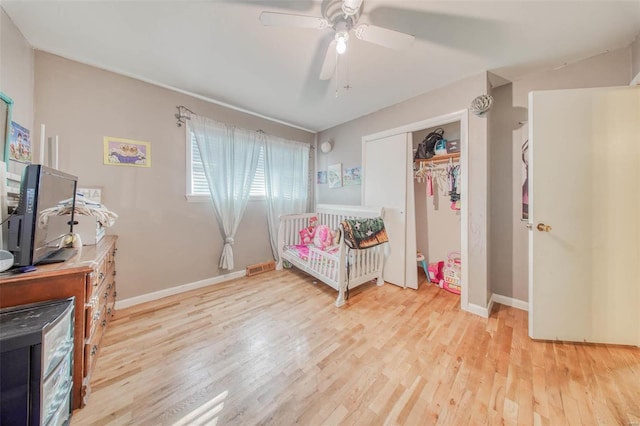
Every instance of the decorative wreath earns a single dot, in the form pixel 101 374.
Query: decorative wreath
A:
pixel 481 104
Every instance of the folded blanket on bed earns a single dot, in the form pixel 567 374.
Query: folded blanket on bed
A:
pixel 364 233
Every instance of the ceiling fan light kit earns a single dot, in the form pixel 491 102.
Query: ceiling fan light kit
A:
pixel 341 16
pixel 341 42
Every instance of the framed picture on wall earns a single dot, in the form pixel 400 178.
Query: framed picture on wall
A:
pixel 334 175
pixel 19 144
pixel 351 176
pixel 126 152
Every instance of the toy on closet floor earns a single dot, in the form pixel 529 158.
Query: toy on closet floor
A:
pixel 422 262
pixel 436 274
pixel 452 273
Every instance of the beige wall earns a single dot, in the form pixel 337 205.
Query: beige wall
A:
pixel 507 246
pixel 437 225
pixel 504 209
pixel 635 58
pixel 165 241
pixel 454 97
pixel 508 235
pixel 16 73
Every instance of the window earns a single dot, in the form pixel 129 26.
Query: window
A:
pixel 197 186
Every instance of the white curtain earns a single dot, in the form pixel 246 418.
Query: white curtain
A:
pixel 286 174
pixel 229 156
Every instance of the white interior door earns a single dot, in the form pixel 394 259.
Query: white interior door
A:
pixel 385 177
pixel 584 156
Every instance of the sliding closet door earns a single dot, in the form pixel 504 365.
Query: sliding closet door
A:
pixel 386 179
pixel 584 215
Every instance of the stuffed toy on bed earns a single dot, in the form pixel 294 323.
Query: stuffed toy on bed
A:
pixel 307 234
pixel 323 238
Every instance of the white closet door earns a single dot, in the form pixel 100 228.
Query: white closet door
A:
pixel 584 210
pixel 386 175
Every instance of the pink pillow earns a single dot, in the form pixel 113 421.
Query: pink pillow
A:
pixel 323 237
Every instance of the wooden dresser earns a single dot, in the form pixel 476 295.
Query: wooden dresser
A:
pixel 89 276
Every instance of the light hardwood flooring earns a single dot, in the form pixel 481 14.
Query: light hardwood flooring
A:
pixel 273 350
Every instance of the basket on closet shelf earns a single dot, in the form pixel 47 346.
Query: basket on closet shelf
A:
pixel 452 272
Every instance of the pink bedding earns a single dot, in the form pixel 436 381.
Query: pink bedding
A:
pixel 302 250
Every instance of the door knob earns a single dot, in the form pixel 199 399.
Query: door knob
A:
pixel 543 228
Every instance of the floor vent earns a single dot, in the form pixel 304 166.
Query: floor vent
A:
pixel 259 268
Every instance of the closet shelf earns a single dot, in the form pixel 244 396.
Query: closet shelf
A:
pixel 443 158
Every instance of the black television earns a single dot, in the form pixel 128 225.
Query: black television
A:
pixel 31 240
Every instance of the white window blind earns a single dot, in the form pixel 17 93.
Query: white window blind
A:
pixel 199 185
pixel 257 187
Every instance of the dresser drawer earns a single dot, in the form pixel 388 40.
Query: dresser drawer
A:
pixel 93 313
pixel 61 417
pixel 97 277
pixel 92 346
pixel 57 341
pixel 111 302
pixel 111 257
pixel 56 389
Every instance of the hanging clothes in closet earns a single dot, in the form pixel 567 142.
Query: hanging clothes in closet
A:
pixel 437 176
pixel 453 173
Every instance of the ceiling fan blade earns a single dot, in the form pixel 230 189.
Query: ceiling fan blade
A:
pixel 329 64
pixel 274 19
pixel 384 36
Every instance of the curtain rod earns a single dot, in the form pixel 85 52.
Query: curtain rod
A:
pixel 183 115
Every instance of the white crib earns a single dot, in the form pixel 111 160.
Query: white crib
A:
pixel 331 268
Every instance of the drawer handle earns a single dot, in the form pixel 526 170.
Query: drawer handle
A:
pixel 96 316
pixel 94 350
pixel 104 323
pixel 101 276
pixel 109 311
pixel 114 273
pixel 106 295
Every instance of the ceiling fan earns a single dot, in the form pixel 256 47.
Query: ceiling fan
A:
pixel 342 17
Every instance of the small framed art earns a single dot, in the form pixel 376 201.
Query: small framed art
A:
pixel 126 152
pixel 334 175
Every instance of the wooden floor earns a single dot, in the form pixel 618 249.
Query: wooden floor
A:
pixel 273 350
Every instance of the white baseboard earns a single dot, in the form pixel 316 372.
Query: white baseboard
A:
pixel 510 301
pixel 479 310
pixel 636 80
pixel 121 304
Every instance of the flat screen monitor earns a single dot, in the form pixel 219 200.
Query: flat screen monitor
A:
pixel 42 191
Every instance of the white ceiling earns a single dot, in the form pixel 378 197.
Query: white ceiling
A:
pixel 220 50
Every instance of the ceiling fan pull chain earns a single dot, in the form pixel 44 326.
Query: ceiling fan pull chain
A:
pixel 347 86
pixel 337 71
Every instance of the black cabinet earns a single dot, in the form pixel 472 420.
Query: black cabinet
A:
pixel 36 363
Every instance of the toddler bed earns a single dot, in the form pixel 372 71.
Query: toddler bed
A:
pixel 329 259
